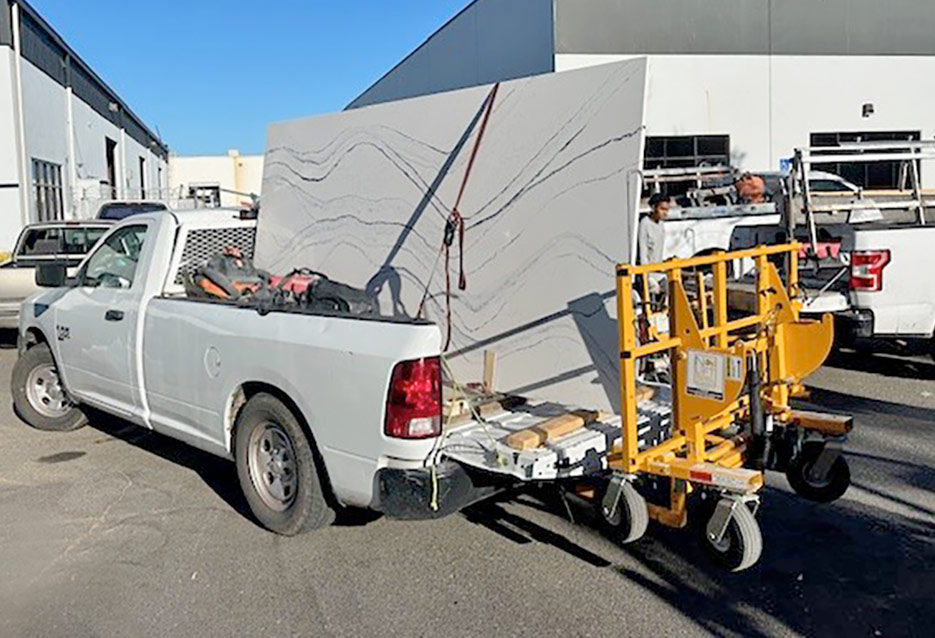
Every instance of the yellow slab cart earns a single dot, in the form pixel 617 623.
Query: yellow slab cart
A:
pixel 731 382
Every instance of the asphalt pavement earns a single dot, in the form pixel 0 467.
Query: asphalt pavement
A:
pixel 116 531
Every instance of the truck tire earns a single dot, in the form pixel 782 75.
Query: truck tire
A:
pixel 39 397
pixel 277 468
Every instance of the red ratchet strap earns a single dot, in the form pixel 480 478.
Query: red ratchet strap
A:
pixel 455 222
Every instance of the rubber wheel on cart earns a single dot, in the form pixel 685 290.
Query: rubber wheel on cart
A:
pixel 277 468
pixel 741 545
pixel 39 397
pixel 629 522
pixel 829 489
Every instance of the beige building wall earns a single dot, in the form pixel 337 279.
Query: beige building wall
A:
pixel 233 176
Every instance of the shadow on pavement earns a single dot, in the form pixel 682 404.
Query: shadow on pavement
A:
pixel 838 570
pixel 885 360
pixel 860 406
pixel 217 473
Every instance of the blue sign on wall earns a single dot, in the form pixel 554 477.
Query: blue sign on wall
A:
pixel 785 164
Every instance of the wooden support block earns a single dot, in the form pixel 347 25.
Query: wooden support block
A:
pixel 644 393
pixel 554 428
pixel 831 424
pixel 490 369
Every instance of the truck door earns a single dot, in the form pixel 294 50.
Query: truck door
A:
pixel 96 323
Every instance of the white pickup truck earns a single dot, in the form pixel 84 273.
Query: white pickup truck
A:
pixel 892 293
pixel 317 410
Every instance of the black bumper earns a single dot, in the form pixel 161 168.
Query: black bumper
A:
pixel 408 494
pixel 854 324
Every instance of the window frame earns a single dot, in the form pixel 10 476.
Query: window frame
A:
pixel 695 151
pixel 48 190
pixel 82 276
pixel 862 175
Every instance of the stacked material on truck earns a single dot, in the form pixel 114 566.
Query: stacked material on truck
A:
pixel 547 203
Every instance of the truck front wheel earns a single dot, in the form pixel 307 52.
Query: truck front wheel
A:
pixel 277 468
pixel 39 397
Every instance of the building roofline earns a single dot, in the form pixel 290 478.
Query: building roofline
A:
pixel 60 41
pixel 413 52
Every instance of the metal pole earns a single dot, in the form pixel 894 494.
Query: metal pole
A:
pixel 20 117
pixel 917 190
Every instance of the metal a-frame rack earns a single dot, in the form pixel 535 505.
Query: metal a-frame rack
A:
pixel 732 379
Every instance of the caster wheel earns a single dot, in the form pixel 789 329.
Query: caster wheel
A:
pixel 824 490
pixel 740 546
pixel 627 522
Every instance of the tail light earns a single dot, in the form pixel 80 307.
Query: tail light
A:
pixel 414 402
pixel 867 269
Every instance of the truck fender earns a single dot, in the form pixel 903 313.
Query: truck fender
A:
pixel 238 399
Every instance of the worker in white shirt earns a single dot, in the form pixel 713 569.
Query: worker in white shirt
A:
pixel 651 240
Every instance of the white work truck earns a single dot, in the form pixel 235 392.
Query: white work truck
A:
pixel 317 410
pixel 876 250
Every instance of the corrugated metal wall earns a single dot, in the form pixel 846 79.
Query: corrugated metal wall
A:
pixel 780 27
pixel 45 49
pixel 6 33
pixel 489 40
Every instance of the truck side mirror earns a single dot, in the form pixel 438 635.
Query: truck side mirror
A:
pixel 52 275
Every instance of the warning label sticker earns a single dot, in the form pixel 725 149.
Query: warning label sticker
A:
pixel 706 373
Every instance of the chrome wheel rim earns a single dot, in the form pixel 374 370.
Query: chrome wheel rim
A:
pixel 45 392
pixel 273 466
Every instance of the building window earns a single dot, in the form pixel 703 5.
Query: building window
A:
pixel 142 178
pixel 205 196
pixel 110 156
pixel 47 188
pixel 686 151
pixel 883 175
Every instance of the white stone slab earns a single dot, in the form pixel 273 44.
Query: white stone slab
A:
pixel 363 196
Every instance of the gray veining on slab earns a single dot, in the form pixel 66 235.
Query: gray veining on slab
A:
pixel 363 196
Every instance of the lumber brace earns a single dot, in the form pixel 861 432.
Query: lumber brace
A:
pixel 830 424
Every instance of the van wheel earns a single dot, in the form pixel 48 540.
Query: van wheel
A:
pixel 39 397
pixel 276 465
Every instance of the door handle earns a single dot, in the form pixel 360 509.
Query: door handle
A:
pixel 113 315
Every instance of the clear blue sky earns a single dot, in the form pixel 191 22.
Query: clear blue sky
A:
pixel 212 74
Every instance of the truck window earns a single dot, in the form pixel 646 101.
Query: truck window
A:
pixel 44 242
pixel 121 210
pixel 113 264
pixel 827 186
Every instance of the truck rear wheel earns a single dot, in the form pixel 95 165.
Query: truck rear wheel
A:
pixel 39 397
pixel 278 472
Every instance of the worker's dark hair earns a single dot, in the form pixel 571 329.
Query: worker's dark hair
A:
pixel 657 199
